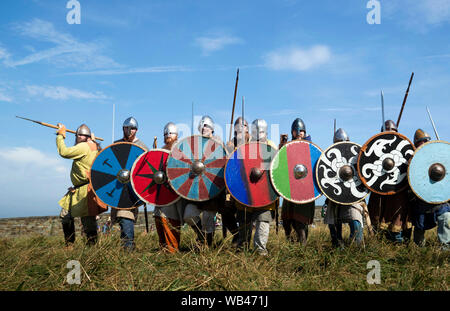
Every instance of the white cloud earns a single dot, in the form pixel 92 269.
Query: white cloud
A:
pixel 419 14
pixel 35 181
pixel 298 59
pixel 437 56
pixel 33 159
pixel 284 112
pixel 349 109
pixel 156 69
pixel 67 52
pixel 435 11
pixel 4 53
pixel 386 90
pixel 5 98
pixel 61 92
pixel 216 43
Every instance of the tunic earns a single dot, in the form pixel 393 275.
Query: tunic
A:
pixel 339 213
pixel 390 212
pixel 83 155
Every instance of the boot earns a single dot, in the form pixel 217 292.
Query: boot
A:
pixel 69 232
pixel 210 238
pixel 91 238
pixel 197 229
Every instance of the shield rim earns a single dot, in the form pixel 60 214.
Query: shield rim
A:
pixel 317 173
pixel 90 180
pixel 226 185
pixel 132 181
pixel 364 147
pixel 170 155
pixel 271 170
pixel 409 184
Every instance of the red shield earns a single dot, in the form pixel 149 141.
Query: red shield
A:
pixel 149 179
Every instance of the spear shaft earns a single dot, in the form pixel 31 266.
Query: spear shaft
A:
pixel 432 123
pixel 53 126
pixel 404 100
pixel 234 103
pixel 382 112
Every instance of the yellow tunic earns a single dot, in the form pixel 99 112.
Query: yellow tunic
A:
pixel 82 157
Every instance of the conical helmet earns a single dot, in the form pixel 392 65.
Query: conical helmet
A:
pixel 340 135
pixel 206 121
pixel 83 129
pixel 420 135
pixel 259 129
pixel 389 125
pixel 170 128
pixel 298 125
pixel 130 122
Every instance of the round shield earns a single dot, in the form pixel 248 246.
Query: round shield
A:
pixel 111 174
pixel 428 172
pixel 383 162
pixel 195 168
pixel 247 174
pixel 149 179
pixel 337 176
pixel 293 171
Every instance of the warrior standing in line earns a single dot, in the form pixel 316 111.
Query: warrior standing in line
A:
pixel 75 202
pixel 201 215
pixel 241 136
pixel 425 215
pixel 168 219
pixel 261 217
pixel 127 218
pixel 336 214
pixel 297 216
pixel 390 213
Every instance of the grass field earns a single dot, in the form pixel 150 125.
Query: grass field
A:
pixel 39 263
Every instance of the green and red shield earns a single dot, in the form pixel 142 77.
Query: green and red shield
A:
pixel 247 174
pixel 149 180
pixel 293 172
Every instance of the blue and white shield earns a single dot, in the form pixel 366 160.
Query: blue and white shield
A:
pixel 428 172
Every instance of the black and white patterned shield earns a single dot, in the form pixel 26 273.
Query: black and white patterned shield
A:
pixel 383 162
pixel 336 174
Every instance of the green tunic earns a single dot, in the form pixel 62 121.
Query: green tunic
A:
pixel 82 156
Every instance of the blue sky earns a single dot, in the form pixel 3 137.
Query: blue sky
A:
pixel 317 60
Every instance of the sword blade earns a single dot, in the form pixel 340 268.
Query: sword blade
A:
pixel 432 123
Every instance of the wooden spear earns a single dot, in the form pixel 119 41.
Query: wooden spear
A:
pixel 53 126
pixel 404 99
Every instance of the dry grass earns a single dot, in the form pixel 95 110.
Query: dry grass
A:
pixel 39 263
